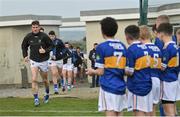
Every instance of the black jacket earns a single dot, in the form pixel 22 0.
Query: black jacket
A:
pixel 58 47
pixel 35 41
pixel 92 57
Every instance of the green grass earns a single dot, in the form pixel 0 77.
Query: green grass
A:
pixel 56 107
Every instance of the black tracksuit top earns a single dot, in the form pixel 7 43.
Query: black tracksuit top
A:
pixel 35 42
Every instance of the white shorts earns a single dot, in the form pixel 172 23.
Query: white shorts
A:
pixel 58 63
pixel 111 102
pixel 156 91
pixel 169 90
pixel 75 69
pixel 43 66
pixel 68 67
pixel 178 89
pixel 141 103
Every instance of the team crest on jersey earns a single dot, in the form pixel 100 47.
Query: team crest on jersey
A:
pixel 97 57
pixel 164 58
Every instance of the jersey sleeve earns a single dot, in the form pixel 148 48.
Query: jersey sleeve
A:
pixel 99 57
pixel 165 58
pixel 130 63
pixel 25 46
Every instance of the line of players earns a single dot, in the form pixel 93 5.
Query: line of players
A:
pixel 152 69
pixel 65 63
pixel 49 52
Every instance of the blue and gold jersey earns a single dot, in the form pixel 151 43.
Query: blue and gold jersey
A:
pixel 138 63
pixel 159 43
pixel 156 59
pixel 170 62
pixel 111 55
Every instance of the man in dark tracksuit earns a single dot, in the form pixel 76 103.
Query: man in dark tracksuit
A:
pixel 92 57
pixel 40 46
pixel 56 61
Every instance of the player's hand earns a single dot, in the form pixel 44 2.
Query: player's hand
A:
pixel 26 59
pixel 41 50
pixel 90 71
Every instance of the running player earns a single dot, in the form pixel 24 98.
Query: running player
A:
pixel 169 75
pixel 67 67
pixel 139 81
pixel 110 63
pixel 56 60
pixel 156 56
pixel 40 46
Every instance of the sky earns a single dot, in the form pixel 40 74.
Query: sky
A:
pixel 67 8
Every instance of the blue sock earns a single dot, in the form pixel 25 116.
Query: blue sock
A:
pixel 47 90
pixel 35 96
pixel 55 86
pixel 161 110
pixel 62 82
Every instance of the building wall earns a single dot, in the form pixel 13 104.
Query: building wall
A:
pixel 11 59
pixel 93 34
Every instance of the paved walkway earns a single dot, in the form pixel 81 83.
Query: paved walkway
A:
pixel 77 92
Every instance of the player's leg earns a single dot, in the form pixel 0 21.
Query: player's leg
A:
pixel 34 72
pixel 111 113
pixel 64 73
pixel 55 75
pixel 74 79
pixel 139 113
pixel 54 72
pixel 169 97
pixel 60 67
pixel 156 94
pixel 34 76
pixel 169 108
pixel 44 74
pixel 60 79
pixel 70 75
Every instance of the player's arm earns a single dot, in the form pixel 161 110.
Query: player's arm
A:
pixel 24 47
pixel 99 64
pixel 49 44
pixel 130 62
pixel 165 59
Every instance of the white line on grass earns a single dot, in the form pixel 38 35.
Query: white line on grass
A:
pixel 48 111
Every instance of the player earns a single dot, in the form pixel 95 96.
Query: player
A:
pixel 139 81
pixel 67 67
pixel 110 63
pixel 156 57
pixel 169 75
pixel 40 46
pixel 56 60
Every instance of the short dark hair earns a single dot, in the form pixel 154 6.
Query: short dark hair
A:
pixel 133 31
pixel 51 32
pixel 95 44
pixel 66 43
pixel 35 23
pixel 42 28
pixel 109 26
pixel 165 28
pixel 78 47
